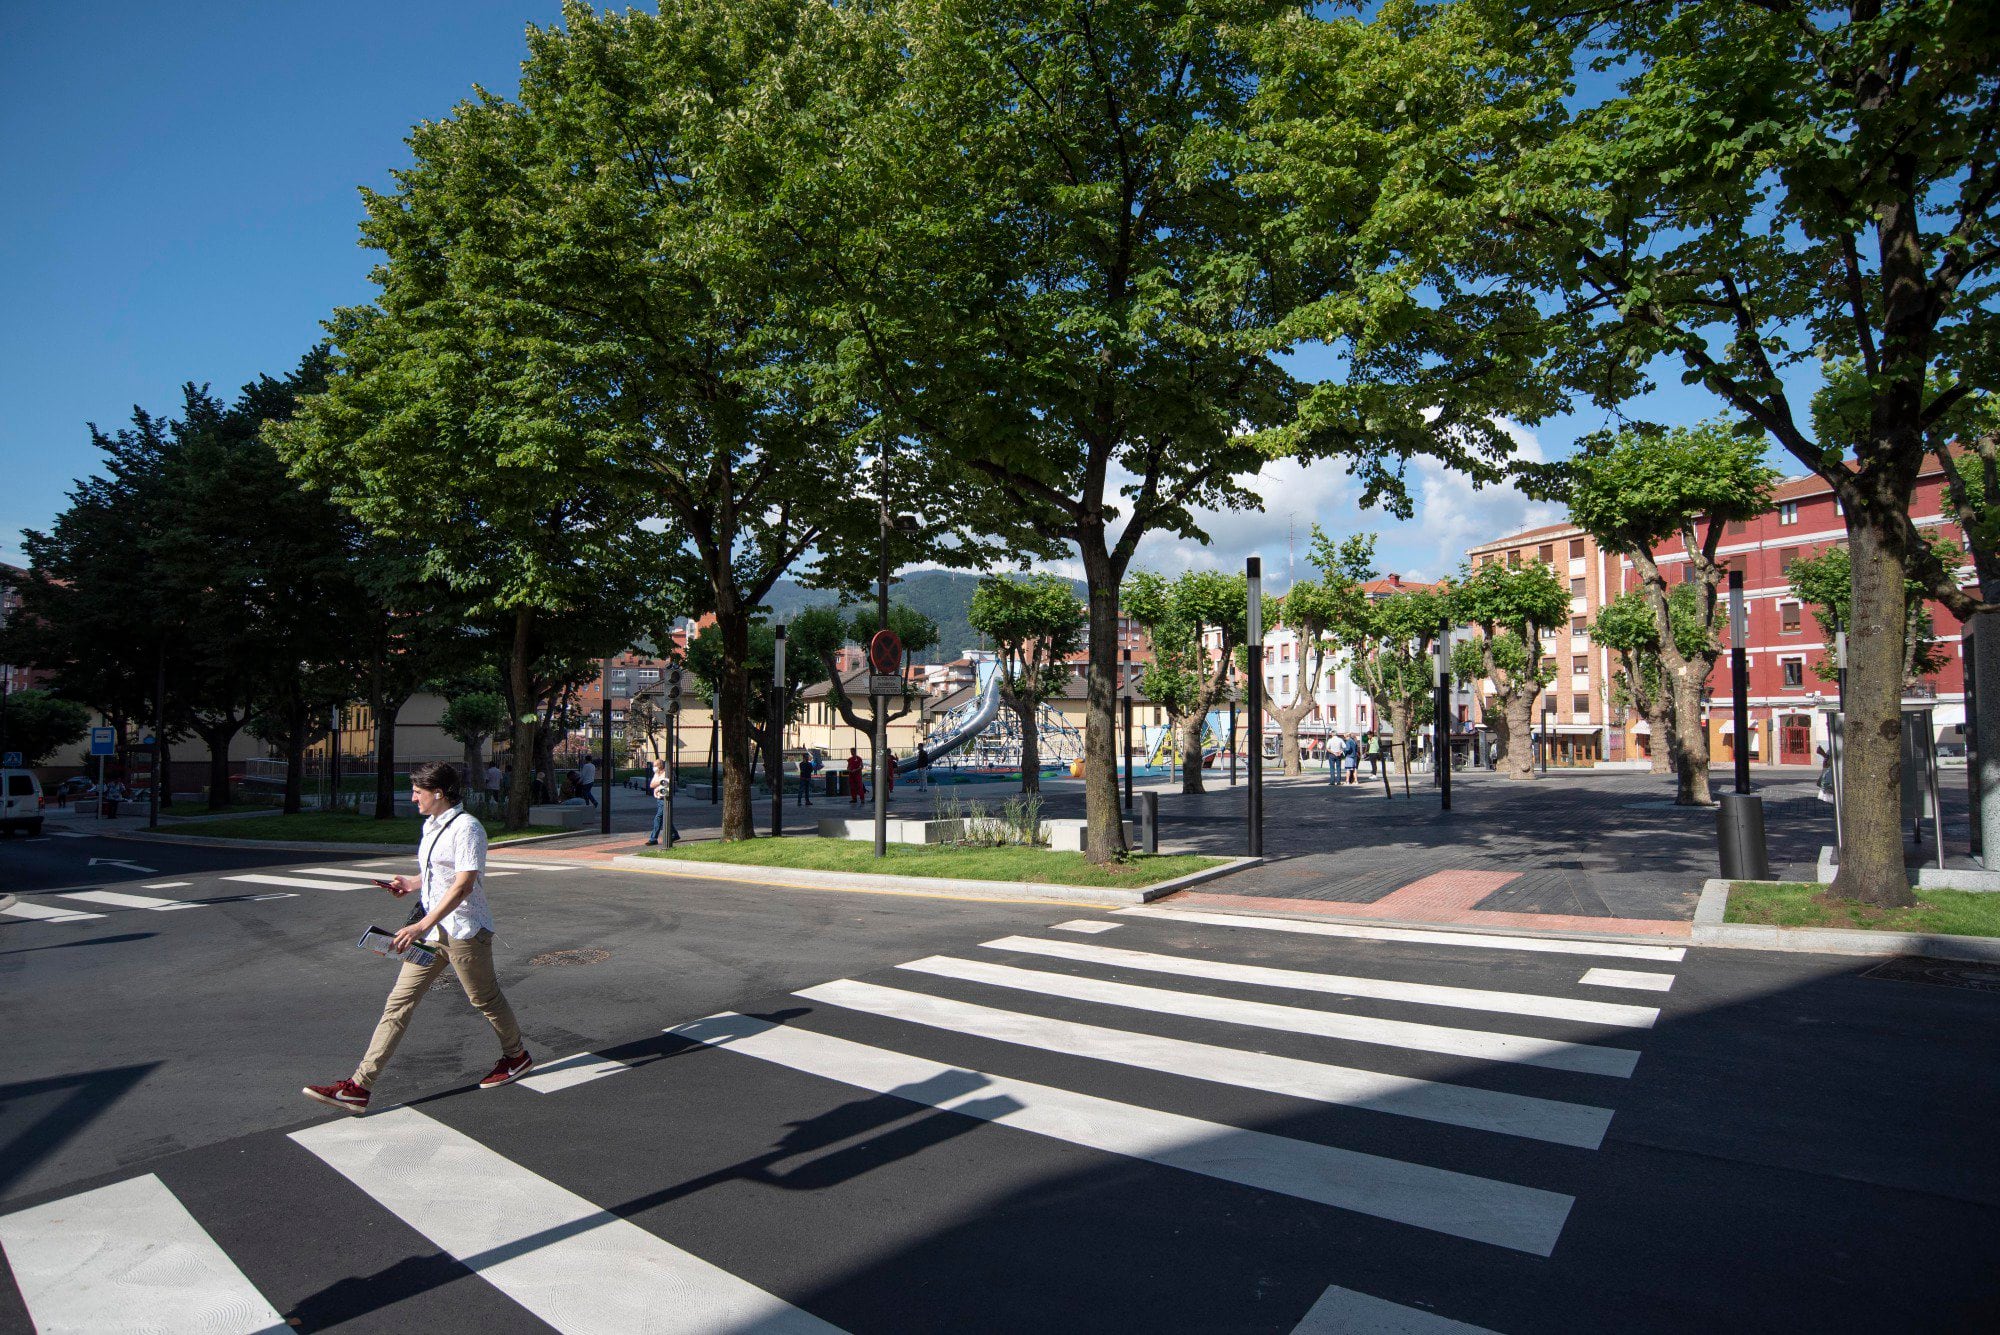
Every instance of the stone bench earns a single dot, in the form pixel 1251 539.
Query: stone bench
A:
pixel 1068 836
pixel 899 831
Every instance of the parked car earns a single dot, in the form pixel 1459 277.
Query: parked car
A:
pixel 20 801
pixel 1951 755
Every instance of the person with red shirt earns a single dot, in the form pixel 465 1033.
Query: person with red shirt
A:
pixel 854 785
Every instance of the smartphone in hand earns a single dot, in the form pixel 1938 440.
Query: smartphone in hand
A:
pixel 391 887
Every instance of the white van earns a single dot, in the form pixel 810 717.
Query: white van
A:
pixel 20 801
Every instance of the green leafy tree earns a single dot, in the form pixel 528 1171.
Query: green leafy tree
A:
pixel 1768 188
pixel 707 661
pixel 1315 610
pixel 1634 491
pixel 1037 624
pixel 1390 647
pixel 821 632
pixel 40 723
pixel 1824 582
pixel 1050 271
pixel 1627 626
pixel 470 719
pixel 1507 606
pixel 1188 677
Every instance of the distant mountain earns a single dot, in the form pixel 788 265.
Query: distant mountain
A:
pixel 945 596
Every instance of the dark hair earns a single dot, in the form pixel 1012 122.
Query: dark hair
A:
pixel 438 776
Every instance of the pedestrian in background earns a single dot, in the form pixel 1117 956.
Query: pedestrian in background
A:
pixel 1352 756
pixel 1334 751
pixel 454 920
pixel 808 766
pixel 854 792
pixel 586 781
pixel 661 787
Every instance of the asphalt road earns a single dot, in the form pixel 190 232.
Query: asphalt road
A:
pixel 882 1114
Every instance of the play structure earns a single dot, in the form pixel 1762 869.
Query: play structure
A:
pixel 981 737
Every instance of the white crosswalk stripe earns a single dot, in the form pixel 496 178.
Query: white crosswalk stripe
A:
pixel 1478 1043
pixel 295 882
pixel 1645 982
pixel 1430 994
pixel 119 900
pixel 1522 1218
pixel 46 912
pixel 535 866
pixel 1460 1105
pixel 128 1258
pixel 581 1269
pixel 569 1072
pixel 1416 935
pixel 1344 1312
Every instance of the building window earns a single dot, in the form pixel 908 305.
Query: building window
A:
pixel 1576 549
pixel 1578 629
pixel 1547 555
pixel 1514 557
pixel 1795 672
pixel 1579 664
pixel 1785 559
pixel 1576 587
pixel 1549 633
pixel 1788 512
pixel 1788 618
pixel 1579 706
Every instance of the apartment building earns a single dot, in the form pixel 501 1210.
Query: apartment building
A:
pixel 1786 651
pixel 1575 710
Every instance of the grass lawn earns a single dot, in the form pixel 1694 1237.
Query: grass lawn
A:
pixel 335 827
pixel 972 864
pixel 1941 912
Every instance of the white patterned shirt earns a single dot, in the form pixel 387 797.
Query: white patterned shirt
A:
pixel 453 842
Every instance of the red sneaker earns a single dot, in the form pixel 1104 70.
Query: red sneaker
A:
pixel 508 1070
pixel 345 1095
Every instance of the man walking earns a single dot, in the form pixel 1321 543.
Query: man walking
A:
pixel 661 786
pixel 454 920
pixel 586 781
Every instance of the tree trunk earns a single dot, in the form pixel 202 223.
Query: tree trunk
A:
pixel 1516 735
pixel 1690 749
pixel 1660 725
pixel 385 757
pixel 521 749
pixel 1871 855
pixel 1289 718
pixel 732 716
pixel 218 735
pixel 1400 727
pixel 1027 714
pixel 1105 840
pixel 475 773
pixel 1190 730
pixel 163 768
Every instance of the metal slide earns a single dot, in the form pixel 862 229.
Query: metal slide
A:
pixel 983 713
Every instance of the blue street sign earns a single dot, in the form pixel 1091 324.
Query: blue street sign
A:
pixel 104 741
pixel 11 760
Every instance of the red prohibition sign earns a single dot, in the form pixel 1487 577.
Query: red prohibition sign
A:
pixel 885 653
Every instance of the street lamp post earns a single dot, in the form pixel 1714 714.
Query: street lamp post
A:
pixel 604 779
pixel 1125 691
pixel 778 733
pixel 1441 716
pixel 1254 574
pixel 1739 677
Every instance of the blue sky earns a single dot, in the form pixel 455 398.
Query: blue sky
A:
pixel 184 180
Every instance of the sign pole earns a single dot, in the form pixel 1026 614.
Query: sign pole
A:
pixel 778 732
pixel 1441 717
pixel 1254 573
pixel 604 779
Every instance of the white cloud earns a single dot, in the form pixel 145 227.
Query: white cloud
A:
pixel 1450 516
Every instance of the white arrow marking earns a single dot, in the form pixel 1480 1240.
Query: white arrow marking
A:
pixel 128 866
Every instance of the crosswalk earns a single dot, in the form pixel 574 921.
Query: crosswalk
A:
pixel 65 906
pixel 1381 1088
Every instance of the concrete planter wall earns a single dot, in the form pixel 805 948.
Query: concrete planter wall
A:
pixel 1067 836
pixel 899 831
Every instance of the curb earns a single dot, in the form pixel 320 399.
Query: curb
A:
pixel 1923 878
pixel 294 846
pixel 1711 930
pixel 1109 896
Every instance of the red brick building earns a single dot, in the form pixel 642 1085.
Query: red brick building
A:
pixel 1785 645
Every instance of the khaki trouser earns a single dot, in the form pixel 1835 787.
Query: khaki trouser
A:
pixel 472 958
